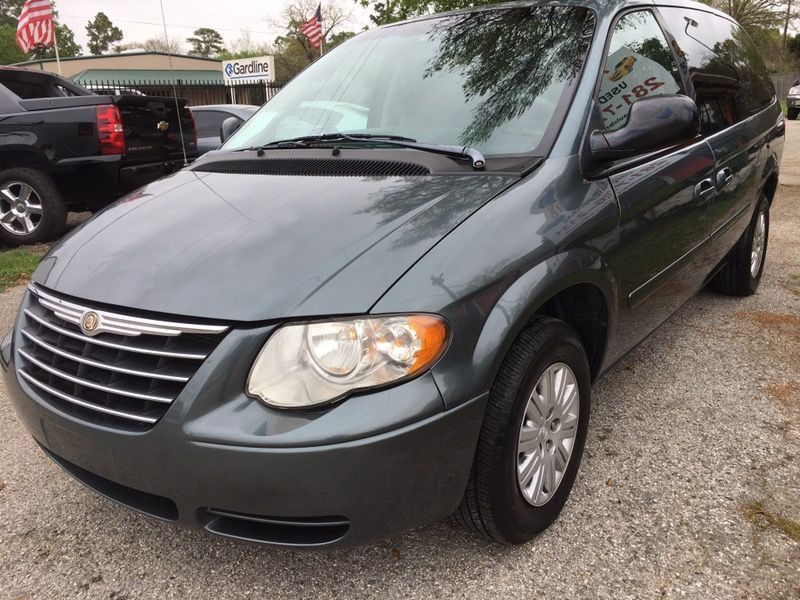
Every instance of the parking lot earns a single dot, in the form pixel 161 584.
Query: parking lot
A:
pixel 690 487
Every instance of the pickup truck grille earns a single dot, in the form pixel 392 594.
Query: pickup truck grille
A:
pixel 106 367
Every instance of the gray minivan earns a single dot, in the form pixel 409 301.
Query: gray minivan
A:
pixel 385 299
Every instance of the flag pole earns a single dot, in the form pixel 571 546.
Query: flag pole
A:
pixel 321 31
pixel 55 41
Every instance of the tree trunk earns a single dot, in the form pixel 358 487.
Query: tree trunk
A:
pixel 786 22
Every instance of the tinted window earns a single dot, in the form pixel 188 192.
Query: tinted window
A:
pixel 492 79
pixel 639 64
pixel 63 91
pixel 26 90
pixel 209 122
pixel 729 78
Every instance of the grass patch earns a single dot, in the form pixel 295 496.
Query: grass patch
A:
pixel 760 516
pixel 17 265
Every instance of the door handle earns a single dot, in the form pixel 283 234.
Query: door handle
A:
pixel 724 177
pixel 704 189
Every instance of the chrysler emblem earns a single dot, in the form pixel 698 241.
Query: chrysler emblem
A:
pixel 162 126
pixel 89 322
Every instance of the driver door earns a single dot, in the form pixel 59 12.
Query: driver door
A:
pixel 664 201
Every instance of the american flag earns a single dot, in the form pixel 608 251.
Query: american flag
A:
pixel 35 27
pixel 313 28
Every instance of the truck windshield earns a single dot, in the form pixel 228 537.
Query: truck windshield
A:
pixel 491 79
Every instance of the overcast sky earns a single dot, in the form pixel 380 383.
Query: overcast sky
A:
pixel 141 19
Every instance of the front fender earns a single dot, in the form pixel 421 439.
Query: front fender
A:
pixel 497 268
pixel 529 293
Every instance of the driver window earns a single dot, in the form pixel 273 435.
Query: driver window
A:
pixel 639 64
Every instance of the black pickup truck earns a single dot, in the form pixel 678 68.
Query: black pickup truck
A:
pixel 64 148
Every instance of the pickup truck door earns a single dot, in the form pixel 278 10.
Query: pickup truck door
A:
pixel 664 202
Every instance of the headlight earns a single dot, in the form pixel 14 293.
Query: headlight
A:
pixel 795 91
pixel 317 363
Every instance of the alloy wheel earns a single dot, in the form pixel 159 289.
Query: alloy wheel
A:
pixel 20 208
pixel 759 244
pixel 547 434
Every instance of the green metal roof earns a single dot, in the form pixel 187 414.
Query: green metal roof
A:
pixel 112 54
pixel 148 75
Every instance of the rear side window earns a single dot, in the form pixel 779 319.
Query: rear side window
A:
pixel 26 90
pixel 209 122
pixel 729 78
pixel 639 64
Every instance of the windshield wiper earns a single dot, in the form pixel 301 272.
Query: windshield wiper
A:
pixel 457 152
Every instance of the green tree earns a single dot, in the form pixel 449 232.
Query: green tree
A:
pixel 9 51
pixel 102 33
pixel 67 46
pixel 390 11
pixel 9 12
pixel 205 42
pixel 793 46
pixel 339 38
pixel 752 15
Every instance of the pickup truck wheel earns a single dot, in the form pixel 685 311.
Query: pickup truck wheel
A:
pixel 532 436
pixel 742 273
pixel 31 209
pixel 791 113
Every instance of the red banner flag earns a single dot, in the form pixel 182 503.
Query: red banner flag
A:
pixel 313 28
pixel 36 26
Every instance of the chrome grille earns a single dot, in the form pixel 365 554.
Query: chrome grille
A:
pixel 125 372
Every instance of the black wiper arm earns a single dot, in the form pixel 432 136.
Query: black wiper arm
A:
pixel 306 140
pixel 457 152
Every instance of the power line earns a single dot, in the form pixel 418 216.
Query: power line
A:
pixel 276 32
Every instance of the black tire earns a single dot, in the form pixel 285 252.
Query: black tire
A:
pixel 791 113
pixel 47 225
pixel 736 277
pixel 493 504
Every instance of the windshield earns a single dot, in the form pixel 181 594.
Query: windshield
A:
pixel 492 80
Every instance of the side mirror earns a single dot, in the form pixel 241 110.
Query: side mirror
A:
pixel 654 123
pixel 229 127
pixel 796 82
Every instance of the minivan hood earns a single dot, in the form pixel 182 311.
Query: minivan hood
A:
pixel 261 247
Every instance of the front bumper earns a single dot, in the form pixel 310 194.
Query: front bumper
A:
pixel 793 102
pixel 371 466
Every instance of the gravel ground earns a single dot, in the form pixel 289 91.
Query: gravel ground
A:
pixel 687 434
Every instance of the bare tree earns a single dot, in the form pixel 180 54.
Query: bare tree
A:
pixel 160 44
pixel 335 14
pixel 245 44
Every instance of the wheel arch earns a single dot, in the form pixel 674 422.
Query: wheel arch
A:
pixel 769 185
pixel 576 287
pixel 22 157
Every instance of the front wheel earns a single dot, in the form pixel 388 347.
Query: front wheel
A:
pixel 31 209
pixel 791 113
pixel 532 436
